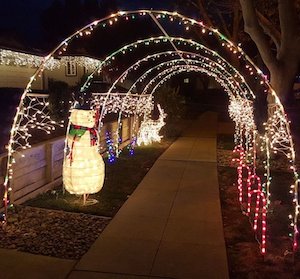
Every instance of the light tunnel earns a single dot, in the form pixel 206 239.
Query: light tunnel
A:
pixel 207 62
pixel 186 55
pixel 177 68
pixel 201 62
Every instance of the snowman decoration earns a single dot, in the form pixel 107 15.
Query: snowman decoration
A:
pixel 83 166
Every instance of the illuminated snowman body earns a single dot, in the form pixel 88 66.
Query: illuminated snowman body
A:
pixel 83 168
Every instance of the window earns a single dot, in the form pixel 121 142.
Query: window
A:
pixel 71 69
pixel 186 80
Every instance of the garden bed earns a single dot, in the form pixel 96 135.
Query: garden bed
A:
pixel 244 258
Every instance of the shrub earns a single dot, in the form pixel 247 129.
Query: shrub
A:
pixel 59 97
pixel 174 106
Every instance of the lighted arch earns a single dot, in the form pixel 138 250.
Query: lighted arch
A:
pixel 209 63
pixel 170 72
pixel 165 39
pixel 194 56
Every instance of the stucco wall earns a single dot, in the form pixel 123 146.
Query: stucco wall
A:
pixel 18 77
pixel 60 74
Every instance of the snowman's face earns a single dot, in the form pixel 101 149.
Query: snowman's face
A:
pixel 85 118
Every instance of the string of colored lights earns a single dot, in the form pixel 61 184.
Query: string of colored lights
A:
pixel 177 40
pixel 187 69
pixel 209 66
pixel 156 40
pixel 111 151
pixel 168 64
pixel 126 47
pixel 186 21
pixel 204 60
pixel 209 70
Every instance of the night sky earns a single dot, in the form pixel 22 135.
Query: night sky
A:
pixel 23 16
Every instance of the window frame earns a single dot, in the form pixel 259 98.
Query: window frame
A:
pixel 71 69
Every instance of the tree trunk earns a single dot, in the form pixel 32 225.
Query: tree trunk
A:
pixel 236 22
pixel 282 81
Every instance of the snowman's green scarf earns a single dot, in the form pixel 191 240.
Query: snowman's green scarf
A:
pixel 78 131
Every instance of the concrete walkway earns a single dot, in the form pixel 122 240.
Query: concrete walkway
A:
pixel 171 226
pixel 19 265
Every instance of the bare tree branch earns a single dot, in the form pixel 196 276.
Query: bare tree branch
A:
pixel 224 25
pixel 236 21
pixel 288 19
pixel 270 30
pixel 289 29
pixel 193 4
pixel 256 32
pixel 204 12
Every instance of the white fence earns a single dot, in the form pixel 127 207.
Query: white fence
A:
pixel 41 168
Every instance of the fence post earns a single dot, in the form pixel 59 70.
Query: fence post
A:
pixel 49 162
pixel 130 127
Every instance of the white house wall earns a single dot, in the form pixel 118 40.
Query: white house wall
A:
pixel 60 74
pixel 18 77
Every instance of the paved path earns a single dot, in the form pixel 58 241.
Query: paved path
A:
pixel 171 226
pixel 19 265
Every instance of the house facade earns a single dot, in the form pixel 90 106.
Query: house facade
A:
pixel 16 68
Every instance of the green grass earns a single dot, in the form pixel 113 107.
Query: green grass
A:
pixel 121 179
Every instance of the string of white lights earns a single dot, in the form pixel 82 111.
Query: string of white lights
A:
pixel 15 58
pixel 120 101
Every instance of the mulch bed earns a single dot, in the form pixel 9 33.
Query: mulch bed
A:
pixel 50 232
pixel 244 258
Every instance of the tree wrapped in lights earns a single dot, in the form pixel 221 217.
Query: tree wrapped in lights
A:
pixel 149 129
pixel 83 168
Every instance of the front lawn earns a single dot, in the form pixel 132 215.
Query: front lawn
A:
pixel 121 179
